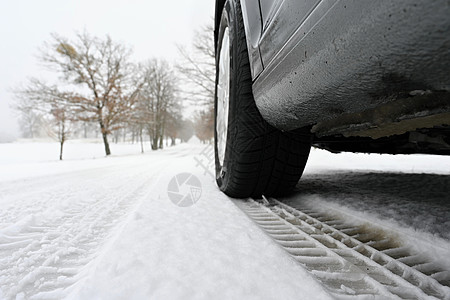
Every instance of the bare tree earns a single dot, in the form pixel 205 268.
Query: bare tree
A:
pixel 51 105
pixel 30 121
pixel 173 119
pixel 98 74
pixel 198 71
pixel 173 127
pixel 198 67
pixel 204 121
pixel 141 116
pixel 59 127
pixel 156 98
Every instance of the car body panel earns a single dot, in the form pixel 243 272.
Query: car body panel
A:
pixel 281 20
pixel 253 31
pixel 344 68
pixel 268 10
pixel 348 56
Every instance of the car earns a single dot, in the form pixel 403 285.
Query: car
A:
pixel 361 76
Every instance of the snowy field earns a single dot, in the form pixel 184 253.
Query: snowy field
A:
pixel 92 227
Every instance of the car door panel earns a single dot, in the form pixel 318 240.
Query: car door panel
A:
pixel 281 19
pixel 268 10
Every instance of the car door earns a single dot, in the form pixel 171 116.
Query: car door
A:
pixel 281 19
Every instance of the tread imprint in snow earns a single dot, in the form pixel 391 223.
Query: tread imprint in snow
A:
pixel 351 261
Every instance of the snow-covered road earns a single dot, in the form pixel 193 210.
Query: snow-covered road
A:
pixel 53 226
pixel 109 231
pixel 107 228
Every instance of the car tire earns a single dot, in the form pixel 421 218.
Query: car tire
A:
pixel 252 158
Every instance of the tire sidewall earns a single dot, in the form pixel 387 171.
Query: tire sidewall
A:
pixel 228 19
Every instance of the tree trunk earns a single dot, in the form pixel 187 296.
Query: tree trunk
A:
pixel 142 143
pixel 105 138
pixel 61 150
pixel 154 142
pixel 173 141
pixel 105 141
pixel 161 142
pixel 62 136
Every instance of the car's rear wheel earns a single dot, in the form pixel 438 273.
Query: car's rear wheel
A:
pixel 252 157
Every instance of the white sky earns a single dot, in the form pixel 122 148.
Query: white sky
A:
pixel 150 27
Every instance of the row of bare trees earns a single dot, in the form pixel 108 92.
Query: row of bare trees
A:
pixel 99 84
pixel 199 72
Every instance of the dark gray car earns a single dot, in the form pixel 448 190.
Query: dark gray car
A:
pixel 362 76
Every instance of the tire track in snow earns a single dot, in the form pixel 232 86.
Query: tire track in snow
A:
pixel 43 253
pixel 37 194
pixel 349 260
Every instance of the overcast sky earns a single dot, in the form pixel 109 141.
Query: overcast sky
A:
pixel 150 27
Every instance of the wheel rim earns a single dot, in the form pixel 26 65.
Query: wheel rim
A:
pixel 223 96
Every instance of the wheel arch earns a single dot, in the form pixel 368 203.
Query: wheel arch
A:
pixel 251 11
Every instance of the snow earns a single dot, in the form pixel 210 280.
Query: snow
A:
pixel 405 194
pixel 41 157
pixel 194 140
pixel 321 161
pixel 411 191
pixel 200 252
pixel 105 228
pixel 92 227
pixel 42 150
